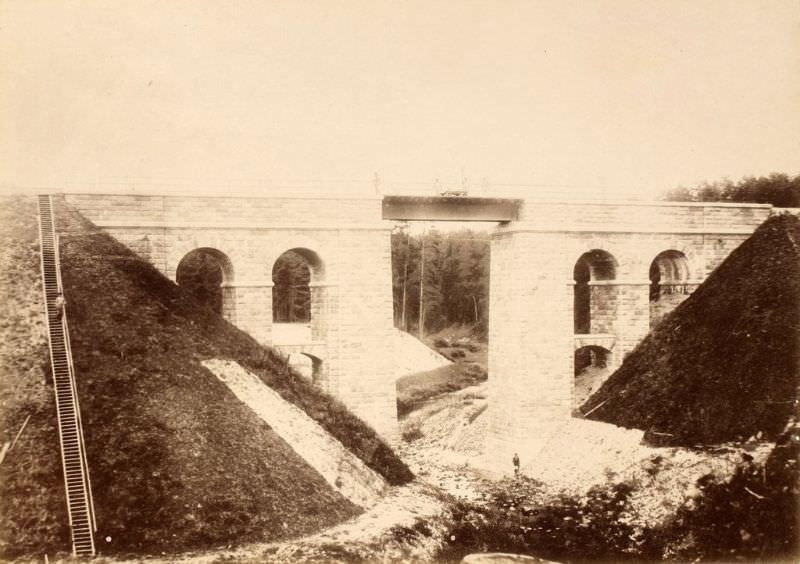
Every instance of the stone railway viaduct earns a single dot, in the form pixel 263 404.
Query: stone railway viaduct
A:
pixel 564 276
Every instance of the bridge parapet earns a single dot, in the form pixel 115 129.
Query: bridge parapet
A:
pixel 640 217
pixel 128 210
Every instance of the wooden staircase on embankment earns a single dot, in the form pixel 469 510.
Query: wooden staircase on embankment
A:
pixel 70 432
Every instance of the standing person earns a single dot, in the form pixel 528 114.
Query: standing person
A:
pixel 59 304
pixel 515 460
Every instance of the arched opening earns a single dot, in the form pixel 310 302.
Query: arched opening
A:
pixel 307 365
pixel 205 273
pixel 669 277
pixel 593 266
pixel 592 368
pixel 296 296
pixel 291 295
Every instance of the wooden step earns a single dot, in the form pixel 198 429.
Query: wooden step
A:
pixel 72 452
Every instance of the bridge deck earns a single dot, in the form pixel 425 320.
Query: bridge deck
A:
pixel 450 208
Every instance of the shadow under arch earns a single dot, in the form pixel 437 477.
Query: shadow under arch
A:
pixel 593 365
pixel 207 274
pixel 591 356
pixel 669 283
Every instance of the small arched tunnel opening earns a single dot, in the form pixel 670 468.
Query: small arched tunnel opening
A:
pixel 592 367
pixel 307 365
pixel 292 274
pixel 204 273
pixel 669 277
pixel 591 312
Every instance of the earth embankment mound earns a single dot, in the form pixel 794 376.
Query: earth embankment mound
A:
pixel 724 364
pixel 177 462
pixel 33 513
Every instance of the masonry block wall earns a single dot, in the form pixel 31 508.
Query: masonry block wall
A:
pixel 531 326
pixel 603 306
pixel 530 338
pixel 531 330
pixel 351 289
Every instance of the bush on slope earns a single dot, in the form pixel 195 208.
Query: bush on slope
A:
pixel 751 516
pixel 724 364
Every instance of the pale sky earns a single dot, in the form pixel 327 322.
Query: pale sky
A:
pixel 536 97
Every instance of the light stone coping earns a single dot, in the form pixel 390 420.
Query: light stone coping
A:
pixel 646 203
pixel 635 282
pixel 615 282
pixel 248 284
pixel 276 195
pixel 344 471
pixel 189 193
pixel 270 284
pixel 607 228
pixel 607 340
pixel 118 224
pixel 620 282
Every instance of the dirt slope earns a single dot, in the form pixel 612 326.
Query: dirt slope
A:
pixel 177 461
pixel 33 514
pixel 724 365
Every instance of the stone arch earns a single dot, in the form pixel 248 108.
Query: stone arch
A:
pixel 591 355
pixel 314 295
pixel 594 297
pixel 670 266
pixel 308 365
pixel 670 276
pixel 293 273
pixel 207 273
pixel 693 258
pixel 593 364
pixel 622 253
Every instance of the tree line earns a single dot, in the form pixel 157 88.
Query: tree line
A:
pixel 291 295
pixel 778 189
pixel 440 279
pixel 454 272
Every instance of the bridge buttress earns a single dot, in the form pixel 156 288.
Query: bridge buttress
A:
pixel 530 336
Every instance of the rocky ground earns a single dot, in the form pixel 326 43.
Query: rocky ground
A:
pixel 415 522
pixel 605 488
pixel 587 382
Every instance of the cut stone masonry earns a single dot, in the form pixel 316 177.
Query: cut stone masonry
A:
pixel 534 250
